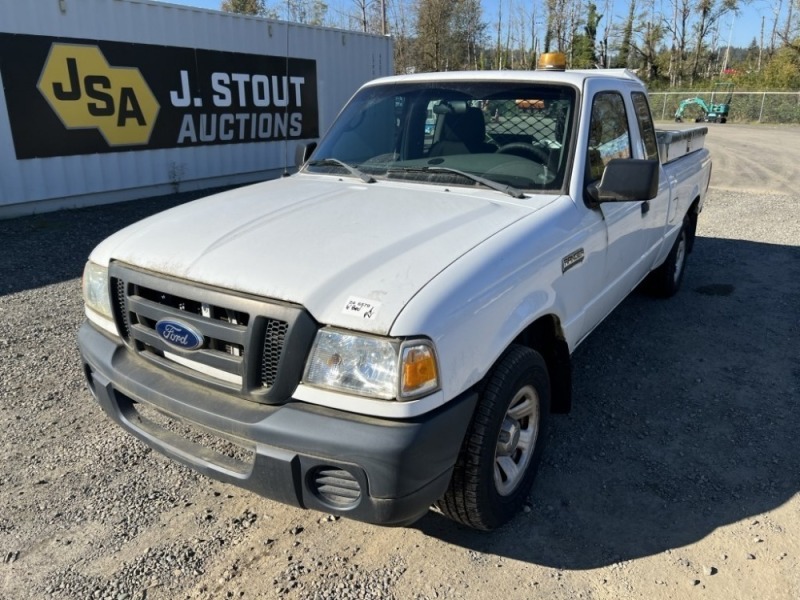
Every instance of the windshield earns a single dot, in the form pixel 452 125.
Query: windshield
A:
pixel 454 133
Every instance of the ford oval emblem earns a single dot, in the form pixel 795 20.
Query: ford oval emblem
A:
pixel 180 335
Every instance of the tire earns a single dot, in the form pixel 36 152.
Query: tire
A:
pixel 666 280
pixel 503 445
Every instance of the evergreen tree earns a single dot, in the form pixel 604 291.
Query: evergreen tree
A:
pixel 624 56
pixel 584 54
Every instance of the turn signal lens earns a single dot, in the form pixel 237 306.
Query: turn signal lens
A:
pixel 419 372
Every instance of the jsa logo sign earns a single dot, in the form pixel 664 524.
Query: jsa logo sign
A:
pixel 86 92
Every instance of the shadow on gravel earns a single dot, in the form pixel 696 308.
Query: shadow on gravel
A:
pixel 50 248
pixel 685 419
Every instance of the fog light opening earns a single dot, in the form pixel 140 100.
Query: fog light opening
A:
pixel 335 487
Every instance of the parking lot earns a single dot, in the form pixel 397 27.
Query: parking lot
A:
pixel 677 474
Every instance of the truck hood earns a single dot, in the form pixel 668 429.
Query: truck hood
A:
pixel 352 254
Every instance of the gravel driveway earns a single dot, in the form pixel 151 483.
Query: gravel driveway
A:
pixel 677 474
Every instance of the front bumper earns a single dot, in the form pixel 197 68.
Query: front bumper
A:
pixel 391 471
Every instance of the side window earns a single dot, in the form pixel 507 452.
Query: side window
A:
pixel 646 128
pixel 608 135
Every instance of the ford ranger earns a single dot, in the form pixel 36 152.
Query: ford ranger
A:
pixel 391 327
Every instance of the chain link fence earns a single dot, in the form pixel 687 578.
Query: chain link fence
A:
pixel 745 107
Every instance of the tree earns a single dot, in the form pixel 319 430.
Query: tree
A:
pixel 525 41
pixel 679 28
pixel 400 18
pixel 783 69
pixel 433 20
pixel 557 25
pixel 468 34
pixel 245 7
pixel 361 16
pixel 624 56
pixel 644 40
pixel 450 34
pixel 710 12
pixel 584 54
pixel 309 12
pixel 603 56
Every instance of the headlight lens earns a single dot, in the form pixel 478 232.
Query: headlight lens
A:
pixel 371 366
pixel 95 289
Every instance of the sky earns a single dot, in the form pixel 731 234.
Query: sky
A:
pixel 741 29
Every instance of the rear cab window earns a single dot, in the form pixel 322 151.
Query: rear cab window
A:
pixel 646 129
pixel 609 136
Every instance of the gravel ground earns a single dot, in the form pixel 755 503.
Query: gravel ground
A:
pixel 676 475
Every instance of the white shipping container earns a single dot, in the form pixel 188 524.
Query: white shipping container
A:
pixel 111 100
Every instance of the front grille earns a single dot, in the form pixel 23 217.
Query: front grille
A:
pixel 244 339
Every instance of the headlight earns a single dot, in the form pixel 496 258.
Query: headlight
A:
pixel 95 289
pixel 372 366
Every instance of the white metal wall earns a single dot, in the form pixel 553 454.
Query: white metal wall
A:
pixel 345 60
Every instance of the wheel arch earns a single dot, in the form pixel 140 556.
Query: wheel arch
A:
pixel 545 335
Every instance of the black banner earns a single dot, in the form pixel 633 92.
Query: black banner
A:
pixel 70 96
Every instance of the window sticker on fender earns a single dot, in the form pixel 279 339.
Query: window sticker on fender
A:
pixel 361 307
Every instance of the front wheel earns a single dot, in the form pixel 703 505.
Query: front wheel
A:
pixel 503 446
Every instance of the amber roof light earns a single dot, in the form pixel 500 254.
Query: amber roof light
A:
pixel 552 61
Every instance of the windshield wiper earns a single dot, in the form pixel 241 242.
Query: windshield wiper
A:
pixel 351 169
pixel 506 189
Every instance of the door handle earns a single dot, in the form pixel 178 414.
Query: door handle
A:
pixel 645 207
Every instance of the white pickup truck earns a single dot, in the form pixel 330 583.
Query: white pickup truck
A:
pixel 391 327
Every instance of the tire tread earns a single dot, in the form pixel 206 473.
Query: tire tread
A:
pixel 464 501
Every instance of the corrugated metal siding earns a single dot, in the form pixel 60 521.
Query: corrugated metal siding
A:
pixel 345 60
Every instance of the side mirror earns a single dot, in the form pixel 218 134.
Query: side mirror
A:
pixel 303 152
pixel 626 180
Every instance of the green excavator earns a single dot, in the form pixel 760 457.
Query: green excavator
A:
pixel 713 111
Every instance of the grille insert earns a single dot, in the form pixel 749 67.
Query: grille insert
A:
pixel 193 306
pixel 273 345
pixel 119 308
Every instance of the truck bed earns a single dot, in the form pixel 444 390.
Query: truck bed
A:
pixel 673 144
